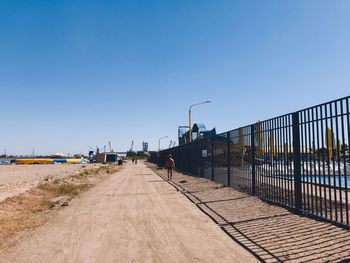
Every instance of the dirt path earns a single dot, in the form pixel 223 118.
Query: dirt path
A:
pixel 133 216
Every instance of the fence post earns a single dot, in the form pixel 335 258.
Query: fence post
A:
pixel 158 158
pixel 212 157
pixel 252 131
pixel 296 161
pixel 228 159
pixel 201 171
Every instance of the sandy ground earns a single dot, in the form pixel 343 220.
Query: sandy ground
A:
pixel 133 216
pixel 271 233
pixel 16 179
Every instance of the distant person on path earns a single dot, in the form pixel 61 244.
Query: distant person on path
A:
pixel 170 165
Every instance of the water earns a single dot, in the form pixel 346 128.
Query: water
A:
pixel 329 175
pixel 340 180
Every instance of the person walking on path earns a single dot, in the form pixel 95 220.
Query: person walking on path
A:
pixel 170 165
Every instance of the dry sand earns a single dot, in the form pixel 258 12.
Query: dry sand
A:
pixel 17 179
pixel 133 216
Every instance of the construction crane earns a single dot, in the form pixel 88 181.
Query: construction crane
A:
pixel 132 146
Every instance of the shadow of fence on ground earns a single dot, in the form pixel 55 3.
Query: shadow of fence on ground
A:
pixel 290 239
pixel 271 233
pixel 276 235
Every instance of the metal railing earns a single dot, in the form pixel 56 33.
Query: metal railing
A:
pixel 299 160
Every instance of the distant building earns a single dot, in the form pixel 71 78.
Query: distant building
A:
pixel 145 147
pixel 107 157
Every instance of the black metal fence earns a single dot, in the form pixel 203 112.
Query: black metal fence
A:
pixel 299 160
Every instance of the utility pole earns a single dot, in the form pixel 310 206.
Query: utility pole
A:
pixel 132 146
pixel 190 118
pixel 110 146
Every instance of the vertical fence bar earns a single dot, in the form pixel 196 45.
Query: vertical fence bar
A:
pixel 272 158
pixel 328 166
pixel 285 153
pixel 306 159
pixel 228 148
pixel 290 141
pixel 273 180
pixel 280 163
pixel 346 172
pixel 296 161
pixel 265 172
pixel 212 157
pixel 333 163
pixel 316 120
pixel 344 159
pixel 252 131
pixel 201 148
pixel 314 159
pixel 323 162
pixel 310 162
pixel 337 154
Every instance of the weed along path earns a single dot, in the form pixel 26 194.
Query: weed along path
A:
pixel 133 216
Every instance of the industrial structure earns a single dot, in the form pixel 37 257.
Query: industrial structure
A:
pixel 198 131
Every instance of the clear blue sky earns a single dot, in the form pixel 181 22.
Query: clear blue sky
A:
pixel 79 73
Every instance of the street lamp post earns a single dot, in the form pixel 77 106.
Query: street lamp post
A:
pixel 190 117
pixel 159 141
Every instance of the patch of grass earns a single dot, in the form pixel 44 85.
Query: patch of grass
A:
pixel 59 188
pixel 27 211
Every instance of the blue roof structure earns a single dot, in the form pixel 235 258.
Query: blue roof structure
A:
pixel 199 127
